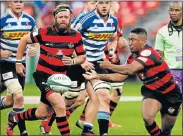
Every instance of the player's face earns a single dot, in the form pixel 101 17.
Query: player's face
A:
pixel 135 42
pixel 17 7
pixel 63 20
pixel 175 12
pixel 103 8
pixel 91 6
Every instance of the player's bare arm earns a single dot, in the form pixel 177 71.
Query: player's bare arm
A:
pixel 128 69
pixel 26 39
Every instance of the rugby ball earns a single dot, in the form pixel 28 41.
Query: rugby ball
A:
pixel 59 83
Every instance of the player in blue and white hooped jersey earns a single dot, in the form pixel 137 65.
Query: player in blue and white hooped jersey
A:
pixel 14 25
pixel 98 28
pixel 88 6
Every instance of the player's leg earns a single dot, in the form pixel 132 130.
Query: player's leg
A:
pixel 170 110
pixel 150 107
pixel 117 90
pixel 102 90
pixel 15 89
pixel 58 104
pixel 91 110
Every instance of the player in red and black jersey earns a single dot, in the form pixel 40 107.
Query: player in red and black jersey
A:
pixel 57 44
pixel 159 90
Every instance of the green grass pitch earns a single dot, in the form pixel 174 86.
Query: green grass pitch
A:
pixel 127 114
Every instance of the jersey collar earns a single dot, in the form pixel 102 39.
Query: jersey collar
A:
pixel 10 12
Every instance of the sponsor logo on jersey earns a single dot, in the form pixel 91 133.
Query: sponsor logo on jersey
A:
pixel 14 35
pixel 100 36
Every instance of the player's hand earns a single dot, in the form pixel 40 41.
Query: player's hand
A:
pixel 105 64
pixel 112 55
pixel 68 61
pixel 91 75
pixel 5 54
pixel 87 66
pixel 20 69
pixel 32 51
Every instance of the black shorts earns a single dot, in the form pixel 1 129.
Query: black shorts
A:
pixel 98 69
pixel 110 71
pixel 8 71
pixel 75 74
pixel 40 80
pixel 170 101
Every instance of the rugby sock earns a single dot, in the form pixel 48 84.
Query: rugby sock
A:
pixel 112 106
pixel 70 111
pixel 26 115
pixel 154 130
pixel 103 121
pixel 87 127
pixel 51 119
pixel 82 117
pixel 3 105
pixel 63 126
pixel 21 123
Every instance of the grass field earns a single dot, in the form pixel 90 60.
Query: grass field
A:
pixel 128 114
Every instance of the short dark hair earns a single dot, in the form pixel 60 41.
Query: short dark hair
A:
pixel 139 31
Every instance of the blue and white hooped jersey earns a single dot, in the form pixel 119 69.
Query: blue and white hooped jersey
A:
pixel 96 34
pixel 12 30
pixel 77 18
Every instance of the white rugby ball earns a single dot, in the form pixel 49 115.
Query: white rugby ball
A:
pixel 59 83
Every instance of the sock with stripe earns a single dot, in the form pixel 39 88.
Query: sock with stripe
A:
pixel 30 114
pixel 70 111
pixel 82 117
pixel 87 128
pixel 154 130
pixel 103 121
pixel 63 126
pixel 51 119
pixel 112 106
pixel 21 123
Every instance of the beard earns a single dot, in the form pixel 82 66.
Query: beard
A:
pixel 62 30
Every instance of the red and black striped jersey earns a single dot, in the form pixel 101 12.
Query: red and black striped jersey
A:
pixel 156 75
pixel 53 46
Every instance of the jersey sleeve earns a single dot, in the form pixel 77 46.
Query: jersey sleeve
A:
pixel 146 58
pixel 82 24
pixel 35 36
pixel 159 42
pixel 79 47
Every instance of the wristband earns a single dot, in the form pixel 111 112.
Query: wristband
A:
pixel 73 61
pixel 18 61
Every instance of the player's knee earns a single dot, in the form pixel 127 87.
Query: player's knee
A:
pixel 148 119
pixel 41 114
pixel 60 108
pixel 18 97
pixel 103 96
pixel 13 86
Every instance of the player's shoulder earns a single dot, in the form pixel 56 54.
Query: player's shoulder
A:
pixel 88 16
pixel 113 17
pixel 148 51
pixel 5 16
pixel 29 17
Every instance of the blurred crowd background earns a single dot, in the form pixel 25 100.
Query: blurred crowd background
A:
pixel 148 14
